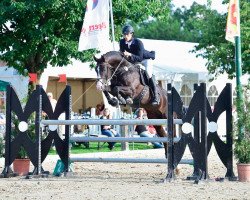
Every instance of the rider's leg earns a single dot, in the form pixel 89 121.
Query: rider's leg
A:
pixel 152 83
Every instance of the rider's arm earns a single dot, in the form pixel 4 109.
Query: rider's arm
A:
pixel 137 56
pixel 122 45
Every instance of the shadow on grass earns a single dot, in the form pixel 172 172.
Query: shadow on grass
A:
pixel 94 147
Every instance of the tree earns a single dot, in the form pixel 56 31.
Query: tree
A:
pixel 219 52
pixel 207 27
pixel 35 33
pixel 178 26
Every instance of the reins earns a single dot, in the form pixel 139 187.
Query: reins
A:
pixel 109 80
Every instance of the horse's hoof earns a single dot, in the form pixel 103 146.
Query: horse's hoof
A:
pixel 122 102
pixel 129 100
pixel 113 102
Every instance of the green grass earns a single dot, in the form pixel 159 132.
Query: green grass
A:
pixel 93 148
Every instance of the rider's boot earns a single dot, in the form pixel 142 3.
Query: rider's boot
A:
pixel 155 96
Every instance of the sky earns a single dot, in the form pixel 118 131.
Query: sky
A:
pixel 216 4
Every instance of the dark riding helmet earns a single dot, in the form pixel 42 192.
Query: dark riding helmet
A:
pixel 127 29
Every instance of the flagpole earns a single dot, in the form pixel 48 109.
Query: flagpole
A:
pixel 239 71
pixel 112 23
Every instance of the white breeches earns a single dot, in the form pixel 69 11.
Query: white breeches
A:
pixel 148 64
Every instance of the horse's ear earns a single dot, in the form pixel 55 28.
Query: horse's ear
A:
pixel 101 59
pixel 96 59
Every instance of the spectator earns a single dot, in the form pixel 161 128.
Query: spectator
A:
pixel 146 131
pixel 107 129
pixel 52 100
pixel 99 108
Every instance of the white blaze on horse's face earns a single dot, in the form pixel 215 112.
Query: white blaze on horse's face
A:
pixel 97 69
pixel 99 85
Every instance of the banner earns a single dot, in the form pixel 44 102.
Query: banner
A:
pixel 95 29
pixel 233 21
pixel 33 77
pixel 62 78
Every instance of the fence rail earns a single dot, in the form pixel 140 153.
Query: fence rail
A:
pixel 128 160
pixel 110 122
pixel 121 139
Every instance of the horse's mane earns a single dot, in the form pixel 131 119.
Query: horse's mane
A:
pixel 113 55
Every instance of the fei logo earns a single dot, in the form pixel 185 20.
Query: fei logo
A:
pixel 91 4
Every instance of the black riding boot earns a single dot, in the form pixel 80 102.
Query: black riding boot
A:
pixel 155 95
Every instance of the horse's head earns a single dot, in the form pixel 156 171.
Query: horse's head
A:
pixel 106 67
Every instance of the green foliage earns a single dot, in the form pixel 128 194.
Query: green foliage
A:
pixel 242 151
pixel 2 146
pixel 208 28
pixel 137 11
pixel 242 144
pixel 22 154
pixel 35 33
pixel 180 26
pixel 215 48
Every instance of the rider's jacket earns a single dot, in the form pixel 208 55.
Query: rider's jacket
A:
pixel 136 48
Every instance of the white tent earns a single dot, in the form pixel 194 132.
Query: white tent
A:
pixel 175 57
pixel 77 69
pixel 20 83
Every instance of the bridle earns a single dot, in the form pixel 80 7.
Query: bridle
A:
pixel 108 82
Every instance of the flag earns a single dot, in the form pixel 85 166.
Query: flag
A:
pixel 33 77
pixel 95 29
pixel 233 21
pixel 62 78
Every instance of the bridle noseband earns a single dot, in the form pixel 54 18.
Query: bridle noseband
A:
pixel 108 82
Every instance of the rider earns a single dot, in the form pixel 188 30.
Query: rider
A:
pixel 134 51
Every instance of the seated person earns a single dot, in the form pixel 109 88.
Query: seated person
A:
pixel 146 131
pixel 99 109
pixel 107 129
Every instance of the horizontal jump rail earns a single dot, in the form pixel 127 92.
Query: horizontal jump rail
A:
pixel 110 122
pixel 121 139
pixel 128 160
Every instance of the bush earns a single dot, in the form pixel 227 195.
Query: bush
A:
pixel 242 151
pixel 242 144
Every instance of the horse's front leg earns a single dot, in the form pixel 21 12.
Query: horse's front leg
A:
pixel 125 92
pixel 119 92
pixel 112 101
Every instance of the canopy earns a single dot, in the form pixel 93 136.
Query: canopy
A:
pixel 9 75
pixel 175 57
pixel 3 85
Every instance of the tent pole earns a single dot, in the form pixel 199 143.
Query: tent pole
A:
pixel 112 24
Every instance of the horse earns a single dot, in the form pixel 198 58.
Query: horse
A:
pixel 119 77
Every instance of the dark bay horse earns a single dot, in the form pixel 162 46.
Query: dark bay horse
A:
pixel 122 79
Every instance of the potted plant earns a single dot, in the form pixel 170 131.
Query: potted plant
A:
pixel 21 164
pixel 242 142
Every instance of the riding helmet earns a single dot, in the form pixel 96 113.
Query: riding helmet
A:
pixel 127 29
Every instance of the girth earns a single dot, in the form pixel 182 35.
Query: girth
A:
pixel 137 100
